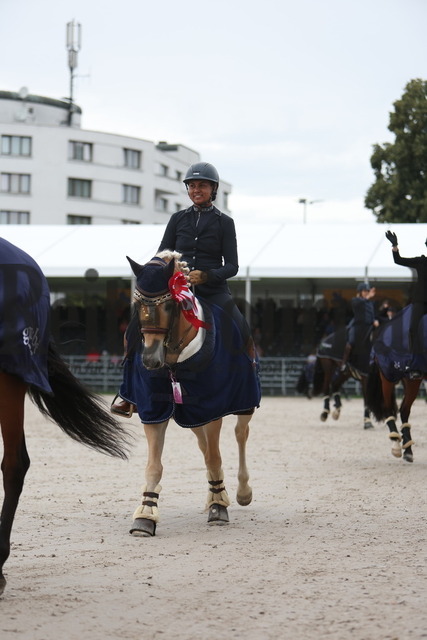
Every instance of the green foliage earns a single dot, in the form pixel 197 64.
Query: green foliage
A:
pixel 399 193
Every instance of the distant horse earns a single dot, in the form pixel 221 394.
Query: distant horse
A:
pixel 329 379
pixel 30 364
pixel 393 362
pixel 192 365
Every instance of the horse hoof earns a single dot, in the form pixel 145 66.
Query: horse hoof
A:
pixel 324 416
pixel 2 584
pixel 368 424
pixel 335 414
pixel 143 527
pixel 396 449
pixel 244 500
pixel 218 514
pixel 409 457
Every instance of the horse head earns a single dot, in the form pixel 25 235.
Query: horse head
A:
pixel 161 295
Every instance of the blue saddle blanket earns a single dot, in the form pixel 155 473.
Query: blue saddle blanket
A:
pixel 391 347
pixel 24 317
pixel 220 379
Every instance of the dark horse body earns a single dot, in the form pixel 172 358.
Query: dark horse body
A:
pixel 329 379
pixel 30 363
pixel 393 362
pixel 192 367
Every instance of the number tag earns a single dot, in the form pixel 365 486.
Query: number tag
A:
pixel 177 393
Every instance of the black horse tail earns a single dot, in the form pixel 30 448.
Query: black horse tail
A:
pixel 79 412
pixel 318 378
pixel 375 396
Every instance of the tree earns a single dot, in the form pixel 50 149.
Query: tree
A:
pixel 399 193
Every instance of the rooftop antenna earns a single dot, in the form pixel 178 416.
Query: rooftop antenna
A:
pixel 74 42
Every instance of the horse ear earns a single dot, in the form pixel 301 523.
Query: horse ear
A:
pixel 136 268
pixel 168 269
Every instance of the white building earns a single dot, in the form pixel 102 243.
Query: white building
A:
pixel 54 172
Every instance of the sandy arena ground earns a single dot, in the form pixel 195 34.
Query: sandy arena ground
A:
pixel 333 545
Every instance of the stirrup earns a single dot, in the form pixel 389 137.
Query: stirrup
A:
pixel 123 408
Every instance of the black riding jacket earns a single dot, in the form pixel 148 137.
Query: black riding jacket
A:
pixel 419 264
pixel 206 238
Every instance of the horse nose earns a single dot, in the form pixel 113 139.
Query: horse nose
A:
pixel 153 355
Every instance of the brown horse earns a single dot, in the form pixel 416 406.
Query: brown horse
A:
pixel 393 361
pixel 30 364
pixel 192 368
pixel 381 399
pixel 329 378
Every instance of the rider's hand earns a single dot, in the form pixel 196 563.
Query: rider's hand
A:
pixel 198 277
pixel 391 237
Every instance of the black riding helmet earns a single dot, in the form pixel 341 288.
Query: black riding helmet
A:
pixel 203 171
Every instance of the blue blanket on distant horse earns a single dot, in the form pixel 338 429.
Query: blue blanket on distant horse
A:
pixel 220 379
pixel 391 347
pixel 24 317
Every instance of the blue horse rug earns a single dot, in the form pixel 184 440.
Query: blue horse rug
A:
pixel 220 379
pixel 24 317
pixel 391 347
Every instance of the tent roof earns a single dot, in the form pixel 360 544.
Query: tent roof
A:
pixel 265 250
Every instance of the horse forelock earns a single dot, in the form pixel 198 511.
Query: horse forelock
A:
pixel 153 277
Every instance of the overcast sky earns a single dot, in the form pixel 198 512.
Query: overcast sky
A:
pixel 285 97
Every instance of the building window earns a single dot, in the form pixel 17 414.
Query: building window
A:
pixel 162 204
pixel 130 222
pixel 132 158
pixel 16 146
pixel 131 194
pixel 225 200
pixel 164 170
pixel 178 206
pixel 14 217
pixel 179 176
pixel 71 219
pixel 79 188
pixel 15 183
pixel 80 151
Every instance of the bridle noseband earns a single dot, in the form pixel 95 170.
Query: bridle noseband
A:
pixel 143 300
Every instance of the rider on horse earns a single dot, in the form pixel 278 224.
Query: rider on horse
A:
pixel 364 321
pixel 206 239
pixel 419 295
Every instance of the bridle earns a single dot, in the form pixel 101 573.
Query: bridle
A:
pixel 157 301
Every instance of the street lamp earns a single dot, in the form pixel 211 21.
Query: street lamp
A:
pixel 305 202
pixel 74 41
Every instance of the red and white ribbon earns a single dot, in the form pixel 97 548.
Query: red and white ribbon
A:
pixel 178 286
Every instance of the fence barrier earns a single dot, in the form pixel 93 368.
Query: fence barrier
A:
pixel 279 375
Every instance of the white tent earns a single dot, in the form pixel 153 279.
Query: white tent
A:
pixel 296 251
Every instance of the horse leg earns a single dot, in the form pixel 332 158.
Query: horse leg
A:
pixel 326 409
pixel 367 424
pixel 241 430
pixel 396 447
pixel 15 463
pixel 146 516
pixel 217 500
pixel 337 406
pixel 411 392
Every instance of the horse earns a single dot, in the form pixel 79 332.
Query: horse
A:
pixel 30 364
pixel 186 359
pixel 392 361
pixel 329 378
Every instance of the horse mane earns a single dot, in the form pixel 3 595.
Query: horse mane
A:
pixel 180 265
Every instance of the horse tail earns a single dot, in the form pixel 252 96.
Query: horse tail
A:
pixel 375 397
pixel 318 378
pixel 79 412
